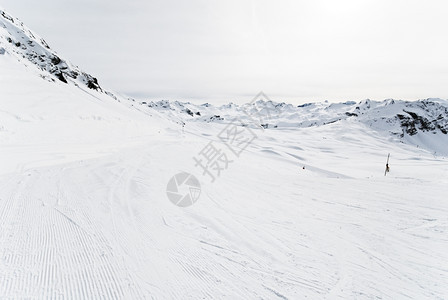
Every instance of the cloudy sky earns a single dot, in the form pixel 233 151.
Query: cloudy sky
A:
pixel 229 50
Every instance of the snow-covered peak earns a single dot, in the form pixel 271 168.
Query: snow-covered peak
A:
pixel 30 49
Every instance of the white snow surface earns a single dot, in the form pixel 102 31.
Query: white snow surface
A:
pixel 304 211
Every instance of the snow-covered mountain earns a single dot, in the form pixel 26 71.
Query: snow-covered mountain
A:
pixel 31 49
pixel 47 102
pixel 422 123
pixel 293 201
pixel 411 121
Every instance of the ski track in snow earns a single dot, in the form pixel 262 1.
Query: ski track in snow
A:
pixel 103 228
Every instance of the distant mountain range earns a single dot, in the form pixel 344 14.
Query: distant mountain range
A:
pixel 409 121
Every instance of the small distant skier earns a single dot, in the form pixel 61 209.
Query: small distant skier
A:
pixel 387 168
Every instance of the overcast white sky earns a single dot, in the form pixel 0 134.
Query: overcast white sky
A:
pixel 229 50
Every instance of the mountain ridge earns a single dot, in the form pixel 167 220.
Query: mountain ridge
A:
pixel 406 120
pixel 26 46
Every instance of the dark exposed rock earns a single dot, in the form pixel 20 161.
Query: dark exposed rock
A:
pixel 7 17
pixel 92 83
pixel 55 60
pixel 216 117
pixel 44 43
pixel 305 105
pixel 412 123
pixel 72 74
pixel 442 129
pixel 407 124
pixel 61 77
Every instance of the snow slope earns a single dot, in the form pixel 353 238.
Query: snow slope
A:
pixel 45 116
pixel 302 212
